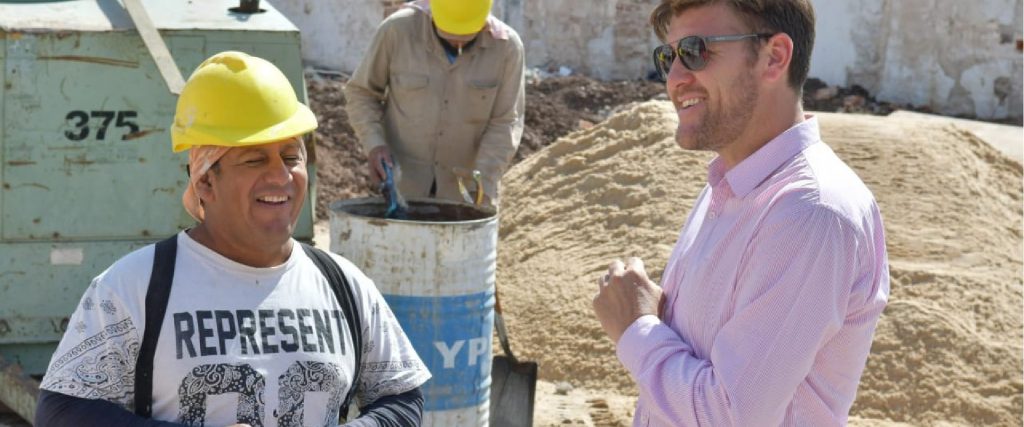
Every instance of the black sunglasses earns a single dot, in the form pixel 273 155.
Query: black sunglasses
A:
pixel 692 51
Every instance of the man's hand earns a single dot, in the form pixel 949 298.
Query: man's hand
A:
pixel 625 294
pixel 376 155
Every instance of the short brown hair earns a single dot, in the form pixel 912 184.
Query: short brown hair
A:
pixel 793 17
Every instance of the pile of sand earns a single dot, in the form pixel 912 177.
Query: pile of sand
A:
pixel 948 347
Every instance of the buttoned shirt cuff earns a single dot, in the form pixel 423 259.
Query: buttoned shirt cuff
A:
pixel 639 341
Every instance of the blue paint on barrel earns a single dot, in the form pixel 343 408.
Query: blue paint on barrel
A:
pixel 437 275
pixel 452 334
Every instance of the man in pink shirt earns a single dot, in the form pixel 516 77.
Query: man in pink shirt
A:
pixel 770 298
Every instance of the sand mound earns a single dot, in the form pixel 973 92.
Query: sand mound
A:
pixel 947 349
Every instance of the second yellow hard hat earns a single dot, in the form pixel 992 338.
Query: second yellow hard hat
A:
pixel 460 17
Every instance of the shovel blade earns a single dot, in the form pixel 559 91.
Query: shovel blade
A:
pixel 513 387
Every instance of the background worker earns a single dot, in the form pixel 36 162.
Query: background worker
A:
pixel 769 301
pixel 252 329
pixel 440 88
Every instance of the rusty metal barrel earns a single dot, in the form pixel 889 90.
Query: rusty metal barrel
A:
pixel 436 271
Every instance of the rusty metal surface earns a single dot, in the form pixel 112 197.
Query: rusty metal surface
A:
pixel 92 59
pixel 17 390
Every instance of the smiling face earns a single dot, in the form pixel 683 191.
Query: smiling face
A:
pixel 253 197
pixel 714 105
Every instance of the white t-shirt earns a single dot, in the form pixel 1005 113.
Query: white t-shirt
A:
pixel 263 346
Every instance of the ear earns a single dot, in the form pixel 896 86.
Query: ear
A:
pixel 779 49
pixel 204 187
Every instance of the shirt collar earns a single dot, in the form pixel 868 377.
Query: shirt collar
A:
pixel 496 28
pixel 753 170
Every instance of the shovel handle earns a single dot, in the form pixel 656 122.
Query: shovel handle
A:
pixel 499 325
pixel 503 336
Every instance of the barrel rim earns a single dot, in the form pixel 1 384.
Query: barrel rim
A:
pixel 335 208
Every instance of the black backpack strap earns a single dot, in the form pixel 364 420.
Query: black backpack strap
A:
pixel 346 299
pixel 157 294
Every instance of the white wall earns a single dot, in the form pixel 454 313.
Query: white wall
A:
pixel 607 39
pixel 957 57
pixel 335 33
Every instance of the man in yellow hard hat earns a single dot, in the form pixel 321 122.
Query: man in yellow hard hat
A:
pixel 232 322
pixel 440 89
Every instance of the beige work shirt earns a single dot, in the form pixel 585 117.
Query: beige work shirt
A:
pixel 436 115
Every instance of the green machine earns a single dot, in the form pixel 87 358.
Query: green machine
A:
pixel 86 169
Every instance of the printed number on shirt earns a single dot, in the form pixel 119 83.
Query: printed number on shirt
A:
pixel 300 378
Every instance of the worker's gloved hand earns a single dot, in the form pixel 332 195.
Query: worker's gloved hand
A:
pixel 376 156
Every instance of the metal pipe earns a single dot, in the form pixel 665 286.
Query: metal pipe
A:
pixel 247 6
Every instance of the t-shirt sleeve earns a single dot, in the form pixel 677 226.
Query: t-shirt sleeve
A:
pixel 96 357
pixel 390 363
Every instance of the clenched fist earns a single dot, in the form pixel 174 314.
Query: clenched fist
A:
pixel 625 294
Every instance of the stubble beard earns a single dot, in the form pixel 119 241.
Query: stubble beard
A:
pixel 721 128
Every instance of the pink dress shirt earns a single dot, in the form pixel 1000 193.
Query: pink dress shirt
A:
pixel 773 292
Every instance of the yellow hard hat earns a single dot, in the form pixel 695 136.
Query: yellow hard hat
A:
pixel 460 17
pixel 234 99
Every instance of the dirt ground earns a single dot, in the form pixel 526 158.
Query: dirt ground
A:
pixel 341 164
pixel 561 105
pixel 555 107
